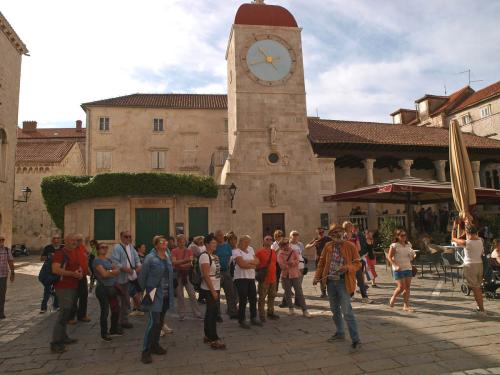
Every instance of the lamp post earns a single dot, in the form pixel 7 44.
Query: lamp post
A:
pixel 232 192
pixel 26 194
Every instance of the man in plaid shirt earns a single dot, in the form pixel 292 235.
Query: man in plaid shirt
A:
pixel 6 262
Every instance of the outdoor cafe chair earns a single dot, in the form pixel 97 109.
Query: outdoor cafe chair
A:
pixel 449 262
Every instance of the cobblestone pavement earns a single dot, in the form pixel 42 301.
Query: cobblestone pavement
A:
pixel 441 337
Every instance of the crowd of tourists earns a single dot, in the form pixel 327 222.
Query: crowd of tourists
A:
pixel 131 281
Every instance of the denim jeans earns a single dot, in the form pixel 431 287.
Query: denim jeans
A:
pixel 108 300
pixel 360 279
pixel 340 304
pixel 153 328
pixel 47 292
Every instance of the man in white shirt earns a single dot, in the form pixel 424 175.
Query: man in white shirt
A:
pixel 125 255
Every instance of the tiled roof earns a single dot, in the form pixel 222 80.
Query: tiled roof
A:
pixel 454 100
pixel 12 36
pixel 174 101
pixel 44 133
pixel 480 95
pixel 42 152
pixel 355 132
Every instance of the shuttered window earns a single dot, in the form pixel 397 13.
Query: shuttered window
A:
pixel 103 160
pixel 158 159
pixel 104 224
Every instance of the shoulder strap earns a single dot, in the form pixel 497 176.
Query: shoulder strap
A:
pixel 126 254
pixel 291 252
pixel 270 257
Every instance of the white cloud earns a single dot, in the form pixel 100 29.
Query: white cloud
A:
pixel 363 59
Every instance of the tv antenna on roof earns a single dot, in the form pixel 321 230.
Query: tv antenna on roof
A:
pixel 468 71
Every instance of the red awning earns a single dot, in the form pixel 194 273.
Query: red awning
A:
pixel 410 189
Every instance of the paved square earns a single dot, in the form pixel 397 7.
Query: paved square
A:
pixel 441 337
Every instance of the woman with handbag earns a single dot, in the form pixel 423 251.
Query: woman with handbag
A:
pixel 400 255
pixel 290 277
pixel 244 280
pixel 105 273
pixel 156 281
pixel 182 258
pixel 266 278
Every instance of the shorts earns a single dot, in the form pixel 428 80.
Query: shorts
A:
pixel 473 273
pixel 398 275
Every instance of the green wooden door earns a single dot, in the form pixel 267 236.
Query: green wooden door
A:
pixel 150 222
pixel 104 224
pixel 198 221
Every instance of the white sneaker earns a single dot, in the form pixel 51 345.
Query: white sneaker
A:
pixel 366 300
pixel 306 314
pixel 291 311
pixel 167 329
pixel 133 313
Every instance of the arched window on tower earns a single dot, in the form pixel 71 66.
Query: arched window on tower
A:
pixel 487 176
pixel 3 155
pixel 496 180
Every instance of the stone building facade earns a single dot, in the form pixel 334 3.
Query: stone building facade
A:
pixel 12 49
pixel 258 139
pixel 41 153
pixel 477 112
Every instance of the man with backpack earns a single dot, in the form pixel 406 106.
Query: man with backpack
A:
pixel 224 252
pixel 125 255
pixel 48 288
pixel 66 264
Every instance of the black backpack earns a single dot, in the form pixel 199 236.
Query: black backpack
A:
pixel 195 276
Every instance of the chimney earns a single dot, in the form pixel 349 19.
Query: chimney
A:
pixel 78 125
pixel 29 126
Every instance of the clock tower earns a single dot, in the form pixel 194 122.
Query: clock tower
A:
pixel 270 157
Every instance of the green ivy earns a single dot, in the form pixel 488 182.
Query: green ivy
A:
pixel 58 191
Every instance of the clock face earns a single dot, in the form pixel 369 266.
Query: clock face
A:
pixel 269 61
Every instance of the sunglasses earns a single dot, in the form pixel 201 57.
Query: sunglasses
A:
pixel 268 239
pixel 127 236
pixel 284 243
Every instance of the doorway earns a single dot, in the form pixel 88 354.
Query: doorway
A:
pixel 150 222
pixel 198 221
pixel 272 222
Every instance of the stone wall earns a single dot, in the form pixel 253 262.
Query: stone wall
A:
pixel 189 139
pixel 10 72
pixel 481 126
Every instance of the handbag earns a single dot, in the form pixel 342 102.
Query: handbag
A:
pixel 305 270
pixel 414 270
pixel 261 273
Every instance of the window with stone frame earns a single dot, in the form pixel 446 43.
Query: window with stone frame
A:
pixel 103 160
pixel 485 111
pixel 226 125
pixel 158 159
pixel 104 124
pixel 3 155
pixel 466 119
pixel 158 125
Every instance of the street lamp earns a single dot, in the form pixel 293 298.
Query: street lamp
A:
pixel 232 192
pixel 26 194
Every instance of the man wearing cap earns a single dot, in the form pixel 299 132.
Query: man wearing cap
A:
pixel 6 262
pixel 336 269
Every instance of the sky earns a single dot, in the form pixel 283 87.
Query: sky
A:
pixel 363 59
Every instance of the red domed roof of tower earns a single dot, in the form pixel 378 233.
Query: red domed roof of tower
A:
pixel 264 15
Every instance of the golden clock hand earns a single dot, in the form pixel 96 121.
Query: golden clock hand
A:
pixel 274 66
pixel 257 62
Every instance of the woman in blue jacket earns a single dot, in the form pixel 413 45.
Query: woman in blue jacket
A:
pixel 156 279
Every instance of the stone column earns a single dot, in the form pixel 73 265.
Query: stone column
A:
pixel 440 166
pixel 372 207
pixel 406 164
pixel 334 212
pixel 475 165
